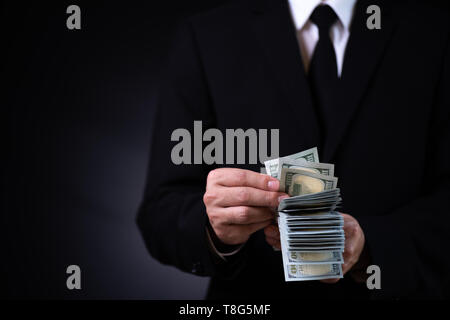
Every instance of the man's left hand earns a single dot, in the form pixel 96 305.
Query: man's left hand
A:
pixel 354 242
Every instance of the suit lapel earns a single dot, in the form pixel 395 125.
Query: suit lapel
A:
pixel 275 31
pixel 364 51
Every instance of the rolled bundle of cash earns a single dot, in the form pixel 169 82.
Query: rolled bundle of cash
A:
pixel 311 231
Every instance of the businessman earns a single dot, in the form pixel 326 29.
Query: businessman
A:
pixel 376 102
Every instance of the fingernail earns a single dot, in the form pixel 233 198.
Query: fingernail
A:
pixel 273 185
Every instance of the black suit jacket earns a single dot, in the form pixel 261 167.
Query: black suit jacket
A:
pixel 239 66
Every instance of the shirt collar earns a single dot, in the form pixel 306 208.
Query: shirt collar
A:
pixel 302 10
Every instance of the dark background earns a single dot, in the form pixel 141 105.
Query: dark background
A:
pixel 78 109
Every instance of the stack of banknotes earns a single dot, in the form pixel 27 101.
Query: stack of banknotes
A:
pixel 311 231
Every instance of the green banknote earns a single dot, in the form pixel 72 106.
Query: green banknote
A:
pixel 296 182
pixel 310 155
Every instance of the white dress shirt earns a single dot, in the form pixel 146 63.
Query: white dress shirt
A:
pixel 308 32
pixel 308 36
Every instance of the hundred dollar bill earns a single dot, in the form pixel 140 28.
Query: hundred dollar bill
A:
pixel 320 257
pixel 326 169
pixel 296 182
pixel 310 155
pixel 300 272
pixel 311 240
pixel 332 215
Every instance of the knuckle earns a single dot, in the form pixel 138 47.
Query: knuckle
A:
pixel 240 177
pixel 242 214
pixel 271 199
pixel 267 197
pixel 213 221
pixel 209 197
pixel 275 200
pixel 213 217
pixel 243 195
pixel 213 175
pixel 205 198
pixel 265 180
pixel 353 228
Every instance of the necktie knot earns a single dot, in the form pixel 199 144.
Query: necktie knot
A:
pixel 323 17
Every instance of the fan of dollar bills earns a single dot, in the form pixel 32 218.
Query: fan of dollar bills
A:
pixel 311 231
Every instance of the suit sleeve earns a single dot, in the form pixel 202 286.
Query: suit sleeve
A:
pixel 172 217
pixel 411 245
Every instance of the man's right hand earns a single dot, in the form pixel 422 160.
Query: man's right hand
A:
pixel 240 202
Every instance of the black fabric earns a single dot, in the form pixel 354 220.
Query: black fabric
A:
pixel 240 67
pixel 323 73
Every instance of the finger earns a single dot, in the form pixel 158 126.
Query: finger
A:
pixel 247 196
pixel 237 234
pixel 330 281
pixel 274 242
pixel 346 265
pixel 252 228
pixel 350 257
pixel 272 232
pixel 247 214
pixel 351 225
pixel 231 177
pixel 350 229
pixel 346 268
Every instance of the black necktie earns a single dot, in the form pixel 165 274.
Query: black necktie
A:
pixel 323 68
